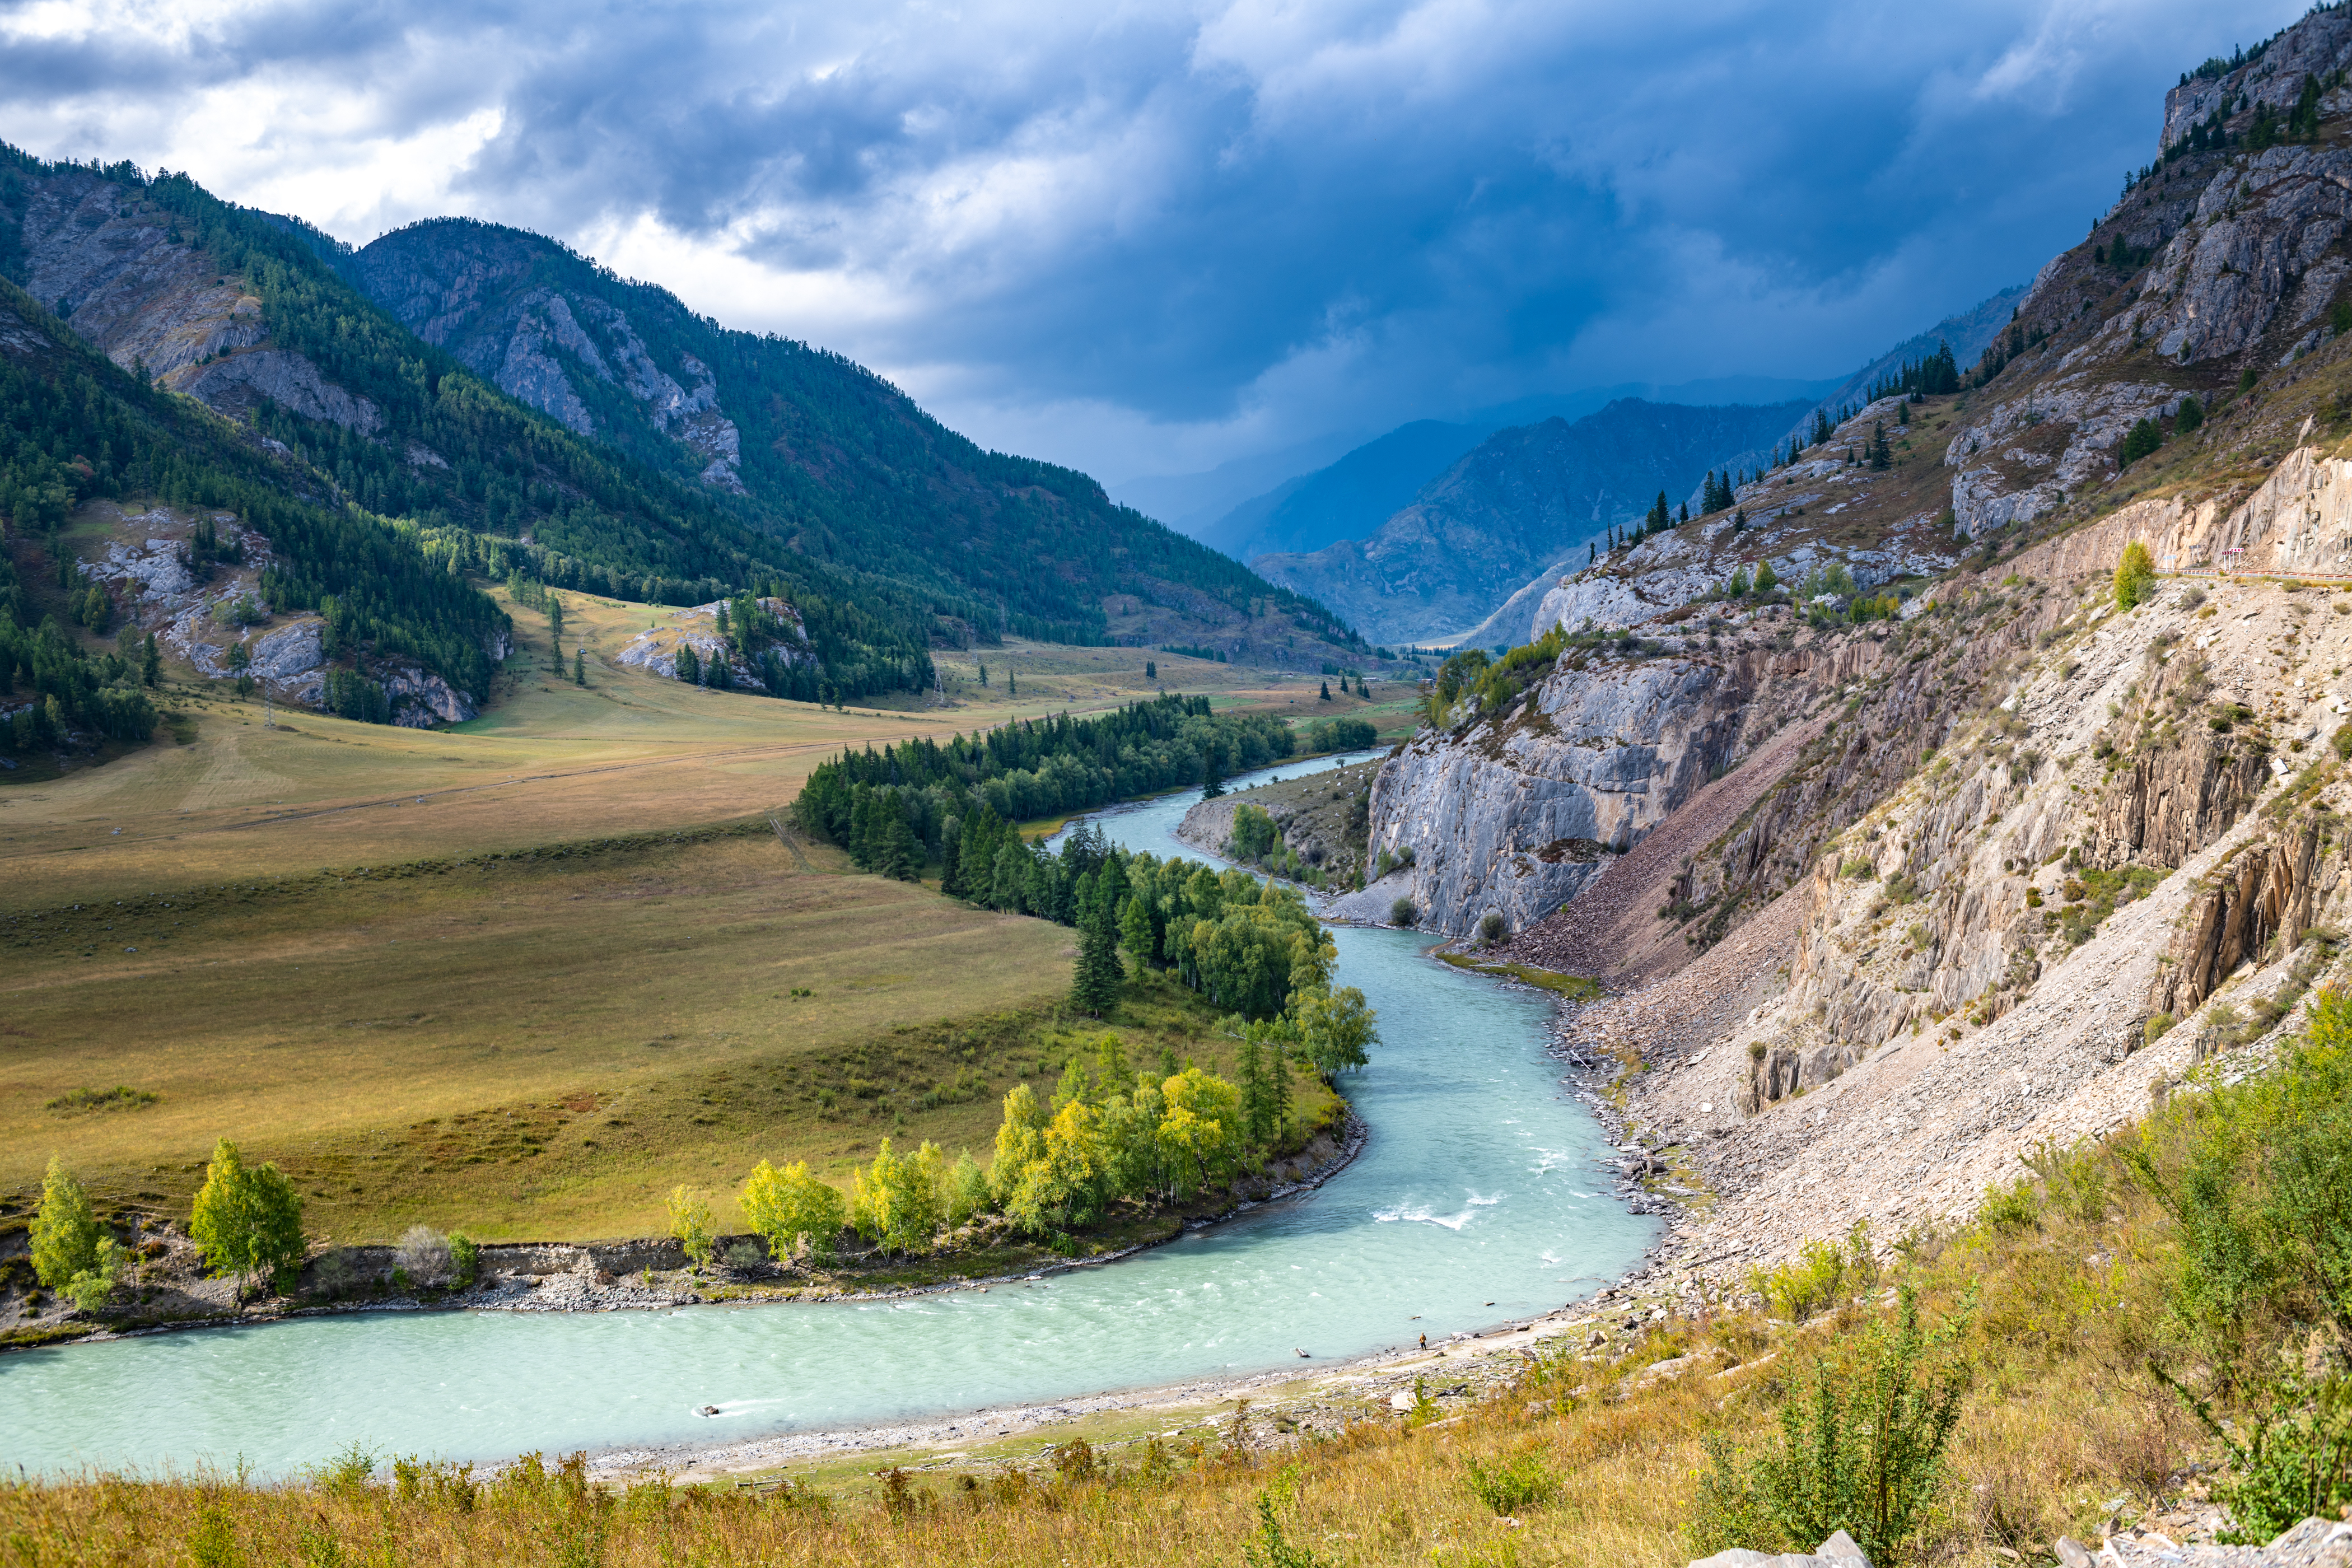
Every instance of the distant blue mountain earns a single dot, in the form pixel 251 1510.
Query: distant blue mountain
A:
pixel 1352 497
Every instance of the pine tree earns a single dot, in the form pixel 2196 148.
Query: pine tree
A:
pixel 1094 989
pixel 1213 774
pixel 579 666
pixel 1135 930
pixel 1150 669
pixel 899 855
pixel 1326 691
pixel 951 864
pixel 1011 684
pixel 1250 1078
pixel 152 665
pixel 1880 455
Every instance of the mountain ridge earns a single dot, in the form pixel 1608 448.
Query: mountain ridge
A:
pixel 1519 504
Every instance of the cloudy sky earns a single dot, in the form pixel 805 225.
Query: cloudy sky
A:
pixel 1145 239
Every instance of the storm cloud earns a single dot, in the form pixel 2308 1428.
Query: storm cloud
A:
pixel 1145 238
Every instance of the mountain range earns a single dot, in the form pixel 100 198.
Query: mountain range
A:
pixel 1520 503
pixel 489 394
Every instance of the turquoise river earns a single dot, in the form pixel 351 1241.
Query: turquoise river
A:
pixel 1479 1196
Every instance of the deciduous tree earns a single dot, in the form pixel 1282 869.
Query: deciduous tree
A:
pixel 247 1222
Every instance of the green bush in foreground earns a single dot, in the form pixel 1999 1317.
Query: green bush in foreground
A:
pixel 1861 1450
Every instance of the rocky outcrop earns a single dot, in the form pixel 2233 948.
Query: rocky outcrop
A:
pixel 2083 422
pixel 491 299
pixel 655 650
pixel 231 385
pixel 2265 893
pixel 1517 812
pixel 421 698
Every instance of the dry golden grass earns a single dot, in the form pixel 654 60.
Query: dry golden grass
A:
pixel 394 1040
pixel 2055 1318
pixel 538 1046
pixel 547 761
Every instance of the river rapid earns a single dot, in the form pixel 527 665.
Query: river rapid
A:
pixel 1479 1196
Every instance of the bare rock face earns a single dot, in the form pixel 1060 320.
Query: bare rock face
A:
pixel 231 385
pixel 2260 227
pixel 286 653
pixel 116 272
pixel 2085 421
pixel 421 700
pixel 485 301
pixel 1516 813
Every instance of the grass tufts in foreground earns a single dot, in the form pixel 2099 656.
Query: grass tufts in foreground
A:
pixel 1973 1394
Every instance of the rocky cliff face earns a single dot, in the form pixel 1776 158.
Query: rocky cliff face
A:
pixel 114 267
pixel 502 301
pixel 2005 876
pixel 1526 499
pixel 1515 812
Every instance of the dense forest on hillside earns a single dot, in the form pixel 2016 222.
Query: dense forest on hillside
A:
pixel 890 533
pixel 833 456
pixel 73 427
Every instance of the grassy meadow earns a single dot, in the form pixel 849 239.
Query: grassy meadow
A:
pixel 276 935
pixel 535 1047
pixel 220 796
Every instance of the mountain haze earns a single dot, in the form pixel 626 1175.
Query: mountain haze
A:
pixel 1356 493
pixel 1523 501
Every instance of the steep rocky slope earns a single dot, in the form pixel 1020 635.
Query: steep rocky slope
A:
pixel 2043 850
pixel 1525 499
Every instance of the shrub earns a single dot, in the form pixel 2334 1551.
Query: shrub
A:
pixel 2290 1458
pixel 1492 927
pixel 2134 575
pixel 424 1255
pixel 792 1210
pixel 2191 415
pixel 1862 1452
pixel 1508 1487
pixel 1255 834
pixel 248 1223
pixel 1402 912
pixel 465 1259
pixel 690 1223
pixel 2143 438
pixel 1797 1290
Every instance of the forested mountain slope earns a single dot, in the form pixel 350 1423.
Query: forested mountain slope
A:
pixel 816 448
pixel 714 463
pixel 1524 500
pixel 75 428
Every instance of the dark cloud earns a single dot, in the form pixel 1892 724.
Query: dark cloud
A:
pixel 1096 229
